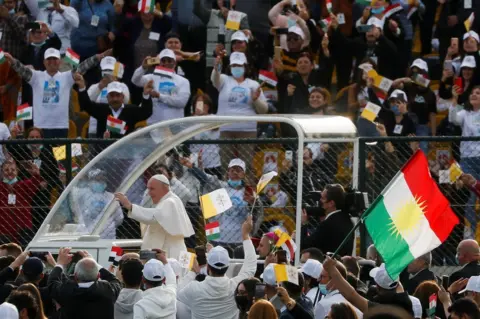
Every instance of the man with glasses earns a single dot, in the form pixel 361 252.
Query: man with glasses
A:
pixel 336 226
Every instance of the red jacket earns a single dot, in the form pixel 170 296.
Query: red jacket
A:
pixel 14 218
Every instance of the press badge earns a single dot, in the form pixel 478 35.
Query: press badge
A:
pixel 398 129
pixel 341 18
pixel 467 4
pixel 95 20
pixel 12 199
pixel 155 36
pixel 52 84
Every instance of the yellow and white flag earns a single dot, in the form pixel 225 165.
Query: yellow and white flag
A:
pixel 264 180
pixel 215 203
pixel 379 81
pixel 233 20
pixel 455 171
pixel 371 112
pixel 186 259
pixel 286 273
pixel 469 22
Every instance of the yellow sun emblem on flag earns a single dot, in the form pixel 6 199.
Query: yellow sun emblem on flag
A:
pixel 406 217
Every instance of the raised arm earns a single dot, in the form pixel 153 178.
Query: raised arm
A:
pixel 250 262
pixel 24 72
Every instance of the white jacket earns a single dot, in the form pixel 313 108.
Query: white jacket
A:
pixel 214 298
pixel 159 302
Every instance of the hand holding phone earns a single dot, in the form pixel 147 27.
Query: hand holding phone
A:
pixel 259 291
pixel 147 255
pixel 153 61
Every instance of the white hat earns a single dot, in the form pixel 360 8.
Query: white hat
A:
pixel 114 86
pixel 416 307
pixel 218 255
pixel 468 62
pixel 154 270
pixel 382 279
pixel 376 22
pixel 8 311
pixel 51 53
pixel 177 268
pixel 313 268
pixel 473 284
pixel 95 173
pixel 161 178
pixel 471 34
pixel 419 63
pixel 297 30
pixel 239 36
pixel 108 63
pixel 167 53
pixel 238 58
pixel 237 162
pixel 268 275
pixel 398 95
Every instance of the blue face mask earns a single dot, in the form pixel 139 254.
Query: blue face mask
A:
pixel 38 44
pixel 10 181
pixel 234 184
pixel 323 289
pixel 11 12
pixel 238 71
pixel 395 110
pixel 377 10
pixel 98 187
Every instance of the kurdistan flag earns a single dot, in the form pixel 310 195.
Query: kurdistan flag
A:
pixel 116 125
pixel 410 218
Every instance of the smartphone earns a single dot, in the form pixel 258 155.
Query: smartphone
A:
pixel 147 254
pixel 445 280
pixel 39 254
pixel 199 106
pixel 459 83
pixel 221 38
pixel 259 291
pixel 281 257
pixel 200 251
pixel 153 61
pixel 278 53
pixel 280 31
pixel 364 28
pixel 447 64
pixel 454 42
pixel 289 156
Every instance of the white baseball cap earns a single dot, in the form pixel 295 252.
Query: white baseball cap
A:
pixel 398 95
pixel 421 64
pixel 473 284
pixel 471 34
pixel 108 63
pixel 297 30
pixel 268 276
pixel 416 307
pixel 161 178
pixel 239 36
pixel 238 58
pixel 376 22
pixel 237 162
pixel 8 311
pixel 154 270
pixel 51 53
pixel 468 62
pixel 382 279
pixel 313 268
pixel 167 53
pixel 114 86
pixel 218 258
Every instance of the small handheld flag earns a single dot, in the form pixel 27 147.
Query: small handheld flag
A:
pixel 116 125
pixel 115 255
pixel 71 57
pixel 371 112
pixel 286 273
pixel 264 180
pixel 212 230
pixel 215 203
pixel 24 112
pixel 186 259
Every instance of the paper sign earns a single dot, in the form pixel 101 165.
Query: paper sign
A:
pixel 233 20
pixel 12 199
pixel 371 112
pixel 60 152
pixel 341 18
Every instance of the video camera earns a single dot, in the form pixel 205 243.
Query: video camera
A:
pixel 355 202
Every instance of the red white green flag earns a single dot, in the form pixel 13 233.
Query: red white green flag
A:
pixel 24 112
pixel 72 57
pixel 411 217
pixel 212 230
pixel 146 6
pixel 115 125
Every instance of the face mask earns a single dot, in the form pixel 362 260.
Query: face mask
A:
pixel 323 289
pixel 377 10
pixel 395 110
pixel 38 44
pixel 234 184
pixel 98 187
pixel 238 71
pixel 11 12
pixel 35 147
pixel 242 303
pixel 10 181
pixel 105 73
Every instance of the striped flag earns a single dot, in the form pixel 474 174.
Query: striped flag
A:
pixel 268 77
pixel 371 112
pixel 2 56
pixel 329 6
pixel 325 23
pixel 212 230
pixel 116 125
pixel 146 6
pixel 392 9
pixel 115 255
pixel 286 243
pixel 24 112
pixel 286 273
pixel 381 95
pixel 72 57
pixel 469 22
pixel 161 71
pixel 118 70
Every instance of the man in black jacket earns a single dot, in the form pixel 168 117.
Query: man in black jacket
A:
pixel 125 115
pixel 419 272
pixel 335 227
pixel 86 296
pixel 468 256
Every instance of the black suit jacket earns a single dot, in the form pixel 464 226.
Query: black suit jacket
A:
pixel 469 270
pixel 330 234
pixel 420 277
pixel 94 302
pixel 131 114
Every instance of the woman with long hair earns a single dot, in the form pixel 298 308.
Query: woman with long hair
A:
pixel 423 292
pixel 262 309
pixel 38 299
pixel 244 295
pixel 342 311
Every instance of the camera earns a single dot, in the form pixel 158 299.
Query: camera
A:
pixel 355 202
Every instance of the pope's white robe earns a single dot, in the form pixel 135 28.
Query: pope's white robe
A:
pixel 167 225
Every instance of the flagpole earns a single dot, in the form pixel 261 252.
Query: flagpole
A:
pixel 253 205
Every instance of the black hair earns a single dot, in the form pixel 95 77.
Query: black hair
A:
pixel 336 193
pixel 312 282
pixel 153 284
pixel 314 253
pixel 172 35
pixel 393 298
pixel 468 106
pixel 32 278
pixel 132 272
pixel 24 300
pixel 214 272
pixel 295 291
pixel 465 306
pixel 5 261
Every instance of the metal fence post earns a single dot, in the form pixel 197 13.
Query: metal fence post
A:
pixel 362 156
pixel 68 161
